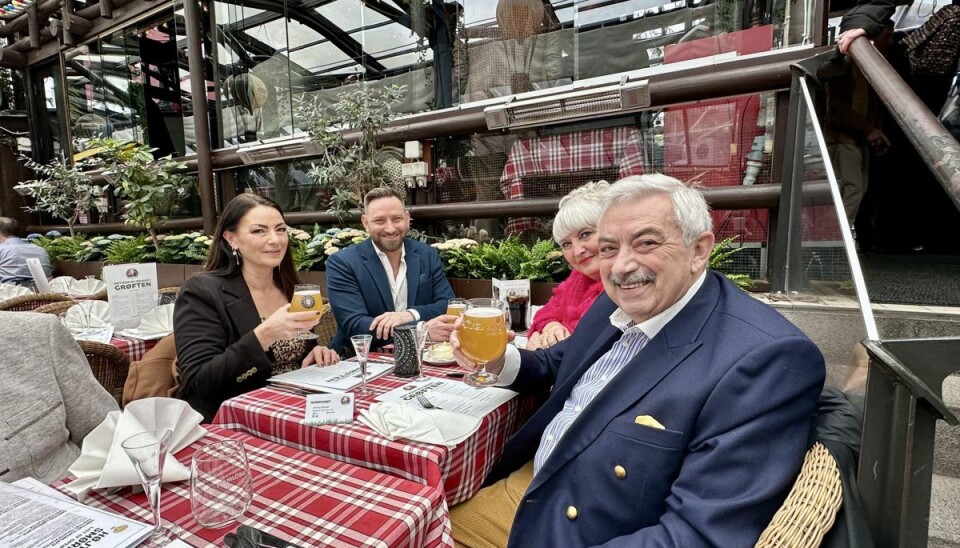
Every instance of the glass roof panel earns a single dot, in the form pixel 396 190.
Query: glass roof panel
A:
pixel 350 14
pixel 319 58
pixel 385 39
pixel 232 13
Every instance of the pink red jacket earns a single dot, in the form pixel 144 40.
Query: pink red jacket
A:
pixel 569 302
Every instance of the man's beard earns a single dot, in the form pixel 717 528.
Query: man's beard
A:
pixel 388 245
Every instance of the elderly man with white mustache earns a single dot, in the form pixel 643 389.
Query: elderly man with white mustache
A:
pixel 678 410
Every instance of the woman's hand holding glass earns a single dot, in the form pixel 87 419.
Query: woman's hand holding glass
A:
pixel 284 325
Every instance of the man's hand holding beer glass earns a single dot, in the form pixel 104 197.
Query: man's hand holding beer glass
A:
pixel 479 339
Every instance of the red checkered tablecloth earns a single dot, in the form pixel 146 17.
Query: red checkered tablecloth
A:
pixel 307 499
pixel 275 415
pixel 619 147
pixel 134 348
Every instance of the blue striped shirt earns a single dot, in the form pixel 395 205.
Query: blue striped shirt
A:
pixel 587 388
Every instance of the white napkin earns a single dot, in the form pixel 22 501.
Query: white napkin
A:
pixel 9 291
pixel 62 284
pixel 87 314
pixel 156 324
pixel 86 287
pixel 103 463
pixel 393 419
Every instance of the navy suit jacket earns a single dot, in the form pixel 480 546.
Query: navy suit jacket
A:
pixel 359 291
pixel 735 386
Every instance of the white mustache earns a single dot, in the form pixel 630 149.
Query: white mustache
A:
pixel 635 277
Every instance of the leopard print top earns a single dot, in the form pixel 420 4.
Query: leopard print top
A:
pixel 288 355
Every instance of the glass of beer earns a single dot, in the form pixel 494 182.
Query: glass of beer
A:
pixel 307 297
pixel 483 337
pixel 456 307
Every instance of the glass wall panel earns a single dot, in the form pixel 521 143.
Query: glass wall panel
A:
pixel 127 85
pixel 714 143
pixel 453 52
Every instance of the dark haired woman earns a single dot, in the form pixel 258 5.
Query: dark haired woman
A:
pixel 232 323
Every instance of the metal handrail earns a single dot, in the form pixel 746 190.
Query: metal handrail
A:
pixel 720 198
pixel 938 148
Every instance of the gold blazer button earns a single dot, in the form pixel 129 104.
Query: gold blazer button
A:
pixel 571 513
pixel 619 471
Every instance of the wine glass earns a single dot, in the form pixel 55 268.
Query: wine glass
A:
pixel 221 487
pixel 147 452
pixel 421 334
pixel 361 345
pixel 483 338
pixel 307 297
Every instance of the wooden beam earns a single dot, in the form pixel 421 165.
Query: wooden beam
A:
pixel 76 25
pixel 44 9
pixel 33 26
pixel 12 59
pixel 106 9
pixel 23 45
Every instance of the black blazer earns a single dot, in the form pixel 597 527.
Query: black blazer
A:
pixel 218 355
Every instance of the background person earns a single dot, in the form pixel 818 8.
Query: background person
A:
pixel 679 410
pixel 388 280
pixel 49 398
pixel 14 253
pixel 575 231
pixel 232 324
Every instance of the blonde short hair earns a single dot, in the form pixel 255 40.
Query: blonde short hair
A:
pixel 580 209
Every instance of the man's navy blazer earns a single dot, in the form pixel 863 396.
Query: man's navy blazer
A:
pixel 359 291
pixel 733 384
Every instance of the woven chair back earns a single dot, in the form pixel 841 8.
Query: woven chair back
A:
pixel 110 366
pixel 810 508
pixel 28 303
pixel 58 308
pixel 327 327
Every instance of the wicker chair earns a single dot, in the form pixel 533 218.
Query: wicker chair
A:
pixel 110 366
pixel 27 303
pixel 327 327
pixel 98 296
pixel 58 308
pixel 168 295
pixel 811 506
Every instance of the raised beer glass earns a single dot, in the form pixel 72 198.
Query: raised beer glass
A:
pixel 483 338
pixel 455 307
pixel 307 297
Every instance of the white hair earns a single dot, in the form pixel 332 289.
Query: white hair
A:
pixel 580 209
pixel 690 209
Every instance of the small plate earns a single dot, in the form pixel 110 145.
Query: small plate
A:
pixel 428 361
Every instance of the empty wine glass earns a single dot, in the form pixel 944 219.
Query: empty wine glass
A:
pixel 221 487
pixel 148 451
pixel 421 333
pixel 361 345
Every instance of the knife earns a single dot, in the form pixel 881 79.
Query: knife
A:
pixel 262 538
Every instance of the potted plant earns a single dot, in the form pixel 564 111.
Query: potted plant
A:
pixel 347 171
pixel 150 188
pixel 62 190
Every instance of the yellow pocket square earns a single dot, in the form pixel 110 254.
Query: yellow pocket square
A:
pixel 647 420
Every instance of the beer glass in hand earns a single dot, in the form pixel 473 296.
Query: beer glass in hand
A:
pixel 455 307
pixel 307 297
pixel 483 338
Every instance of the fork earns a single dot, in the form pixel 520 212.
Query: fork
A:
pixel 427 404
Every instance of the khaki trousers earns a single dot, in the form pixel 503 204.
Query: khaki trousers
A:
pixel 485 520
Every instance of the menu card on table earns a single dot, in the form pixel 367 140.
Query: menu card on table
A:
pixel 340 377
pixel 132 292
pixel 32 514
pixel 453 396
